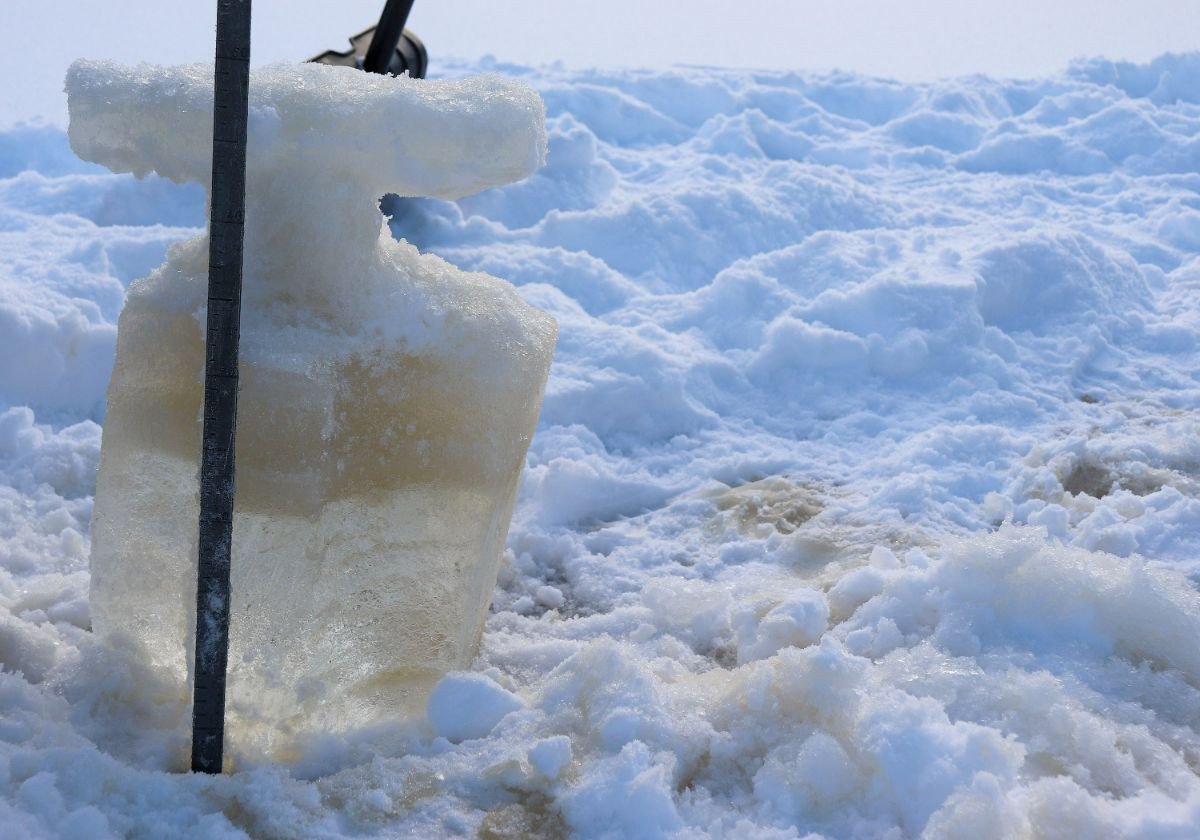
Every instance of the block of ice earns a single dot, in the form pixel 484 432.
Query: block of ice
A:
pixel 387 398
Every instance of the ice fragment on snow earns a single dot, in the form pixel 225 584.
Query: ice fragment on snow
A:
pixel 799 779
pixel 550 596
pixel 465 706
pixel 798 621
pixel 550 756
pixel 387 398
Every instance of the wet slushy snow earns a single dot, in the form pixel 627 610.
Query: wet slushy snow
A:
pixel 863 500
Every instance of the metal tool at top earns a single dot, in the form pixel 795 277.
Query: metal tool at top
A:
pixel 386 47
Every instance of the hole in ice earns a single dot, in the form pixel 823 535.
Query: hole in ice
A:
pixel 773 503
pixel 534 818
pixel 1098 480
pixel 1090 478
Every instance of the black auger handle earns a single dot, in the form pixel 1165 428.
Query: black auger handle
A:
pixel 387 35
pixel 384 48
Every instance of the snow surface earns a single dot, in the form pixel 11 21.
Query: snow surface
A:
pixel 864 501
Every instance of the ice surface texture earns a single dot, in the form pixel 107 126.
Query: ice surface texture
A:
pixel 387 398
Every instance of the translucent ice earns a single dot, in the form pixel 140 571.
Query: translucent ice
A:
pixel 387 398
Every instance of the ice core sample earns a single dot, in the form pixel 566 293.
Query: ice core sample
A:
pixel 387 398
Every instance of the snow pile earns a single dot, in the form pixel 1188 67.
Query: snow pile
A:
pixel 863 503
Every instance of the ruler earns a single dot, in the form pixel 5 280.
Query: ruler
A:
pixel 226 234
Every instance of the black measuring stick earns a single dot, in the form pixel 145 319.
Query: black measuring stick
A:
pixel 226 233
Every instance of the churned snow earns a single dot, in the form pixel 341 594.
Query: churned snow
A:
pixel 863 502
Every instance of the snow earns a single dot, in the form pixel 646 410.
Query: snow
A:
pixel 466 706
pixel 863 501
pixel 550 756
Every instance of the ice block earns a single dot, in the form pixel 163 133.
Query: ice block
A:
pixel 387 398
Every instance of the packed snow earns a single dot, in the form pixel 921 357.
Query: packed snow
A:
pixel 864 502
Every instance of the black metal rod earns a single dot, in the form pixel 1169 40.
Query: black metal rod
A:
pixel 226 235
pixel 387 35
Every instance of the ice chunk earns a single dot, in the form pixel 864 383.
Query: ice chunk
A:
pixel 387 398
pixel 466 706
pixel 550 756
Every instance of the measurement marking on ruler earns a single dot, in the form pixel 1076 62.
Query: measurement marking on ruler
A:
pixel 226 237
